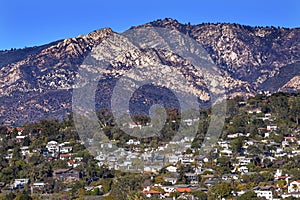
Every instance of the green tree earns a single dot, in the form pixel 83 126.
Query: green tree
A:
pixel 188 151
pixel 250 195
pixel 23 196
pixel 222 190
pixel 237 144
pixel 199 195
pixel 9 196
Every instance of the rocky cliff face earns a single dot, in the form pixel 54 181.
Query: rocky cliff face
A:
pixel 37 82
pixel 252 54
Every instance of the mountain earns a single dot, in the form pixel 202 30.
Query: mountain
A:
pixel 37 82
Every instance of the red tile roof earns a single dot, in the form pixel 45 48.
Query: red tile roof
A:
pixel 181 190
pixel 152 192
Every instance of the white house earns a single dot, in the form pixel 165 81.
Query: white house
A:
pixel 135 125
pixel 65 149
pixel 188 122
pixel 226 177
pixel 20 137
pixel 272 127
pixel 187 158
pixel 292 194
pixel 254 111
pixel 226 151
pixel 243 169
pixel 224 144
pixel 278 173
pixel 244 161
pixel 171 168
pixel 294 186
pixel 24 150
pixel 168 189
pixel 52 146
pixel 20 182
pixel 38 184
pixel 152 168
pixel 234 135
pixel 266 192
pixel 133 142
pixel 170 180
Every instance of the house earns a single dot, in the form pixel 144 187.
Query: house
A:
pixel 272 127
pixel 170 180
pixel 280 154
pixel 267 135
pixel 228 152
pixel 90 188
pixel 242 103
pixel 65 156
pixel 168 189
pixel 9 156
pixel 244 161
pixel 294 186
pixel 66 174
pixel 171 168
pixel 255 111
pixel 188 122
pixel 268 115
pixel 252 142
pixel 278 174
pixel 264 191
pixel 187 158
pixel 210 182
pixel 224 144
pixel 243 169
pixel 38 185
pixel 226 177
pixel 234 135
pixel 24 150
pixel 20 138
pixel 65 149
pixel 292 194
pixel 52 147
pixel 133 142
pixel 290 139
pixel 152 193
pixel 152 168
pixel 74 162
pixel 78 159
pixel 135 125
pixel 20 183
pixel 18 129
pixel 192 177
pixel 183 189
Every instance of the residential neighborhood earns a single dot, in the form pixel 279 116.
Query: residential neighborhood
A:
pixel 257 156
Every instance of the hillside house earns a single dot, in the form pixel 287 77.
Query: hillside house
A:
pixel 171 169
pixel 294 186
pixel 20 183
pixel 24 150
pixel 52 147
pixel 66 175
pixel 272 127
pixel 266 192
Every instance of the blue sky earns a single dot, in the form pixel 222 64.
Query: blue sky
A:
pixel 35 22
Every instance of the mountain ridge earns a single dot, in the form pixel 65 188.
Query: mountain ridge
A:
pixel 37 82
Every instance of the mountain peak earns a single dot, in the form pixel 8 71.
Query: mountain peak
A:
pixel 99 34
